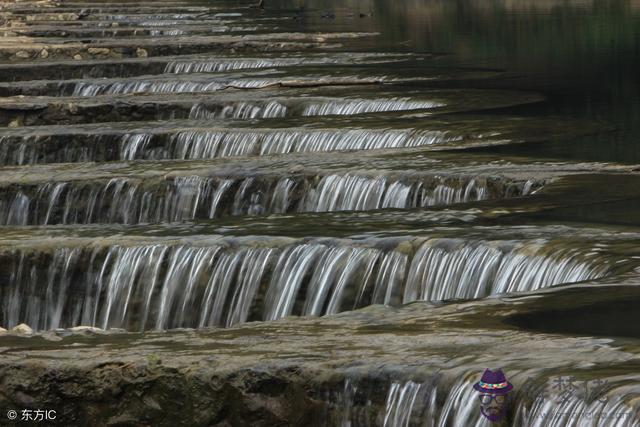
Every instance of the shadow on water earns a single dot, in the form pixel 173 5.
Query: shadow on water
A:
pixel 617 318
pixel 584 55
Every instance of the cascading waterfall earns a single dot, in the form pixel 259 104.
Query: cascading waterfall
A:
pixel 225 143
pixel 174 81
pixel 134 143
pixel 229 64
pixel 163 23
pixel 615 403
pixel 207 144
pixel 313 107
pixel 172 32
pixel 411 403
pixel 214 84
pixel 361 106
pixel 408 401
pixel 240 110
pixel 352 192
pixel 224 281
pixel 150 17
pixel 453 269
pixel 171 86
pixel 214 65
pixel 132 201
pixel 33 149
pixel 23 154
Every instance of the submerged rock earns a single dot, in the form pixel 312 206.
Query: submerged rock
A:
pixel 85 329
pixel 98 51
pixel 22 329
pixel 51 336
pixel 15 123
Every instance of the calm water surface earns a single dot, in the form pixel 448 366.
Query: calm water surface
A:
pixel 583 55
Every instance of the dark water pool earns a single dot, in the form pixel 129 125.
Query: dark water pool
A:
pixel 583 55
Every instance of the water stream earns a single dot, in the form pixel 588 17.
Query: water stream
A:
pixel 222 282
pixel 199 165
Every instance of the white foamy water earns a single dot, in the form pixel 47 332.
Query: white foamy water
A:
pixel 225 281
pixel 131 201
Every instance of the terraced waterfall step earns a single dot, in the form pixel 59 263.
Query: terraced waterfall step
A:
pixel 133 193
pixel 186 64
pixel 21 111
pixel 238 213
pixel 199 139
pixel 199 281
pixel 327 386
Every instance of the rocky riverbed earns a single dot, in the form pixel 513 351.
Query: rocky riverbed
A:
pixel 335 369
pixel 215 213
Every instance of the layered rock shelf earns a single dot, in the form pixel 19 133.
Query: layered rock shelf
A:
pixel 226 213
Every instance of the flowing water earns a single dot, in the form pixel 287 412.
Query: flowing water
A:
pixel 222 281
pixel 131 201
pixel 409 403
pixel 208 164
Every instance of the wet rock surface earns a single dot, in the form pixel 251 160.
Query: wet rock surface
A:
pixel 218 214
pixel 282 372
